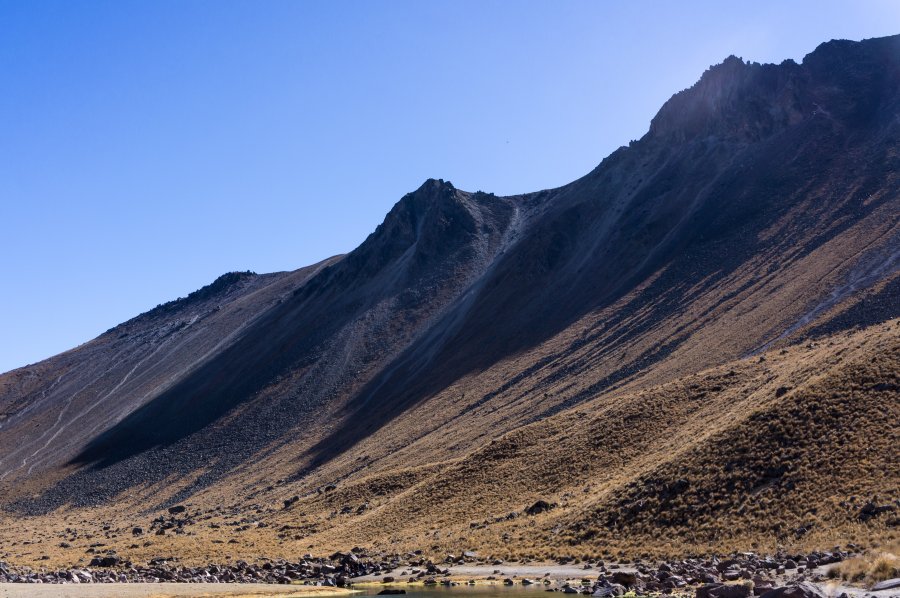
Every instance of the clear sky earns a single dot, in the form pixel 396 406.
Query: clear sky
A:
pixel 147 147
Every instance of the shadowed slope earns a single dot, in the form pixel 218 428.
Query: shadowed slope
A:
pixel 50 409
pixel 430 245
pixel 753 168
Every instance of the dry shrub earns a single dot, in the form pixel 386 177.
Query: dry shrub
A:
pixel 872 567
pixel 886 566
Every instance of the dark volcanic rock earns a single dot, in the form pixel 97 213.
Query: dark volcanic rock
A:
pixel 105 561
pixel 540 506
pixel 799 590
pixel 887 584
pixel 622 578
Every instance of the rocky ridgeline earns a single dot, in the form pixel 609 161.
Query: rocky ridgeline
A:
pixel 110 568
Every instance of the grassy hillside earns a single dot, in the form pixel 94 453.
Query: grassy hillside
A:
pixel 783 449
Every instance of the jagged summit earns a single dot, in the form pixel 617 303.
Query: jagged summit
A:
pixel 736 100
pixel 748 102
pixel 857 53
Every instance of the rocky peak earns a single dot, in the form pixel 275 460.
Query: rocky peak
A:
pixel 734 99
pixel 433 197
pixel 434 219
pixel 750 101
pixel 857 82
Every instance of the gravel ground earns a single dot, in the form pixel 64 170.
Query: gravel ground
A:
pixel 162 590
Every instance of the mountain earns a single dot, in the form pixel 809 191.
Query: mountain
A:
pixel 692 347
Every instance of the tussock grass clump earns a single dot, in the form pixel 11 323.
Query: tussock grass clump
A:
pixel 871 567
pixel 887 566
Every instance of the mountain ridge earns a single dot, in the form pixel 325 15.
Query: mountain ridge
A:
pixel 760 211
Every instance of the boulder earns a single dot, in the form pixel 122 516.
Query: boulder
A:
pixel 624 579
pixel 887 584
pixel 539 507
pixel 721 590
pixel 739 590
pixel 872 509
pixel 105 561
pixel 675 582
pixel 800 590
pixel 703 591
pixel 761 585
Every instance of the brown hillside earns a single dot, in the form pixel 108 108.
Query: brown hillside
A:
pixel 780 450
pixel 670 348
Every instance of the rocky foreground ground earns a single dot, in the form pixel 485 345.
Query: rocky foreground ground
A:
pixel 737 576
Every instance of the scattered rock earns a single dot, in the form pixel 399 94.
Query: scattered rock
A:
pixel 540 507
pixel 872 509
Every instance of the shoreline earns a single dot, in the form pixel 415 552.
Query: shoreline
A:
pixel 740 575
pixel 167 590
pixel 557 577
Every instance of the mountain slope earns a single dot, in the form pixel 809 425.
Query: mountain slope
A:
pixel 761 209
pixel 742 462
pixel 69 398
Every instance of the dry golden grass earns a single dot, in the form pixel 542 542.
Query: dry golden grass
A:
pixel 717 461
pixel 874 566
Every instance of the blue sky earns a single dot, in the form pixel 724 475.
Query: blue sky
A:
pixel 147 147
